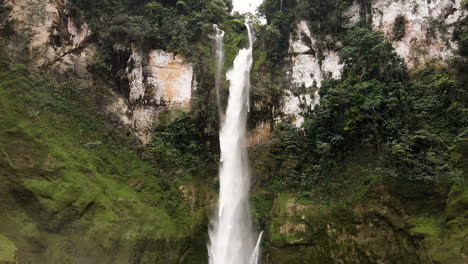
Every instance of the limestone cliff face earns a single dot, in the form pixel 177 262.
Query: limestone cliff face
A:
pixel 428 29
pixel 157 81
pixel 45 36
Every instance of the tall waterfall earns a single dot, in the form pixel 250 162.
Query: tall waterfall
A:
pixel 232 240
pixel 219 55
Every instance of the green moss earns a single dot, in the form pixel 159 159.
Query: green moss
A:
pixel 444 237
pixel 299 254
pixel 457 202
pixel 97 201
pixel 286 226
pixel 426 227
pixel 7 251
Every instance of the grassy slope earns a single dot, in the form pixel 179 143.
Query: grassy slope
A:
pixel 70 191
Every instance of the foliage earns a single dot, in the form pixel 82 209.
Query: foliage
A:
pixel 178 148
pixel 4 10
pixel 274 36
pixel 414 124
pixel 399 27
pixel 368 55
pixel 7 250
pixel 325 17
pixel 461 35
pixel 7 26
pixel 463 42
pixel 170 25
pixel 407 125
pixel 287 156
pixel 83 177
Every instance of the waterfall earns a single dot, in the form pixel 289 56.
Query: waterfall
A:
pixel 232 239
pixel 219 55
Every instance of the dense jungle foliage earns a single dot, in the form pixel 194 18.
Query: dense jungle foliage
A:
pixel 413 124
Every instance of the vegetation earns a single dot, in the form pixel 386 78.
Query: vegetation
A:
pixel 178 148
pixel 7 250
pixel 70 173
pixel 387 148
pixel 399 27
pixel 412 125
pixel 170 25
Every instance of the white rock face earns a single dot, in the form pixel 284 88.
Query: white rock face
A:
pixel 295 106
pixel 307 71
pixel 158 80
pixel 416 47
pixel 160 77
pixel 170 77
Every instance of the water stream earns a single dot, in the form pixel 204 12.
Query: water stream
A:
pixel 232 239
pixel 219 55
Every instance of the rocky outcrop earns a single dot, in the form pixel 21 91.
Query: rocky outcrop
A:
pixel 295 106
pixel 309 67
pixel 157 81
pixel 393 224
pixel 428 27
pixel 424 30
pixel 45 36
pixel 159 78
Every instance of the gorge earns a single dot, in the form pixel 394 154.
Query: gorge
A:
pixel 343 131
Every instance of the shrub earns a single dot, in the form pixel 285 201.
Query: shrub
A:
pixel 399 27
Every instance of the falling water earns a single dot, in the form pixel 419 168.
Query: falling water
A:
pixel 219 55
pixel 232 239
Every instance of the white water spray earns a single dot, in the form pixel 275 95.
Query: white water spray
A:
pixel 232 240
pixel 219 55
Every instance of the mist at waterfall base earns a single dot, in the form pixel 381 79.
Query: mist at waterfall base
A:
pixel 232 239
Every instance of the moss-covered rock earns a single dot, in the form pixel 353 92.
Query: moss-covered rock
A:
pixel 382 227
pixel 8 251
pixel 63 200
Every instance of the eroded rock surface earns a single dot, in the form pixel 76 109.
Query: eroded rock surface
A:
pixel 428 29
pixel 157 81
pixel 46 37
pixel 426 35
pixel 393 224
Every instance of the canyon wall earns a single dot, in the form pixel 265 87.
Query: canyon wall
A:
pixel 157 81
pixel 426 35
pixel 46 37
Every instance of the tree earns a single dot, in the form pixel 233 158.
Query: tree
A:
pixel 368 55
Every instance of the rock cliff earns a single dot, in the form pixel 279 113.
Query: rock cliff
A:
pixel 419 30
pixel 46 37
pixel 157 81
